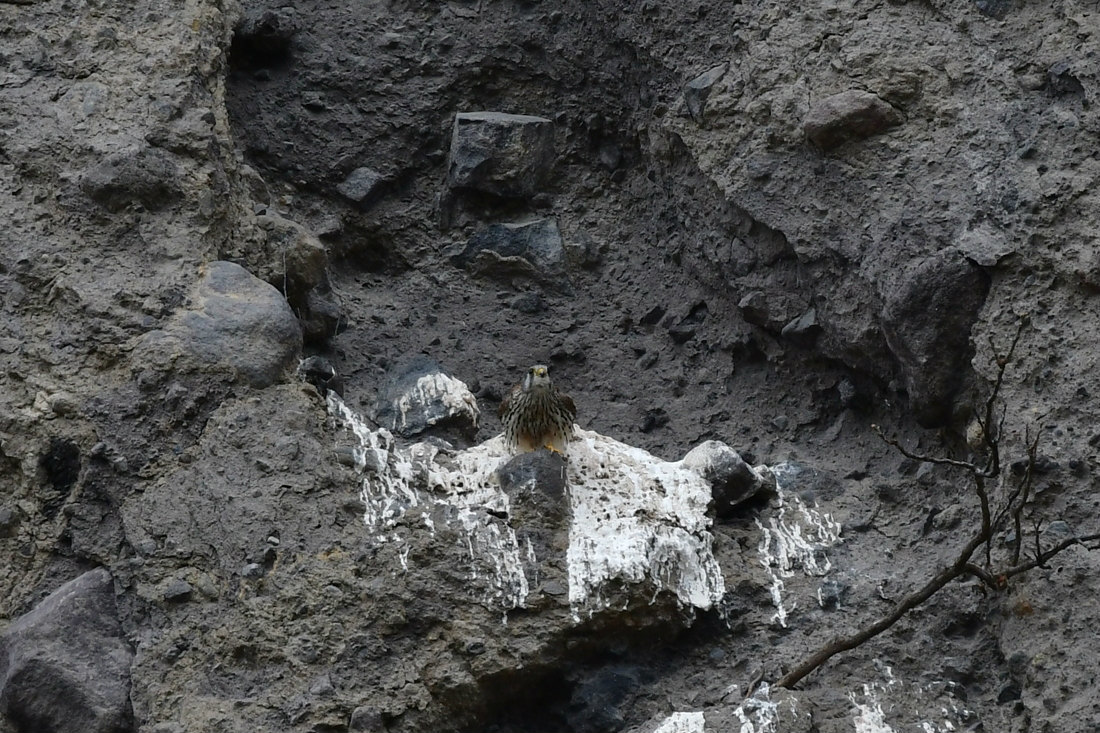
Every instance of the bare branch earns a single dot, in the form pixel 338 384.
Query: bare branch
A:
pixel 1045 556
pixel 1012 509
pixel 905 605
pixel 920 456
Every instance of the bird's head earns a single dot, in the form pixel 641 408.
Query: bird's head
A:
pixel 537 376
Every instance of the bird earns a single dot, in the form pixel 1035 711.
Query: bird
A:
pixel 535 414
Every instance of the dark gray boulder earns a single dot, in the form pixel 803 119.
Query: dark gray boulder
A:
pixel 851 115
pixel 237 321
pixel 499 153
pixel 531 250
pixel 420 395
pixel 927 317
pixel 64 666
pixel 732 480
pixel 361 186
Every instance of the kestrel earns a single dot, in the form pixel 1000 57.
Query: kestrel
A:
pixel 536 415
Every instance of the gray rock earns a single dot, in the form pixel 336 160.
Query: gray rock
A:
pixel 499 153
pixel 927 319
pixel 698 89
pixel 684 329
pixel 803 330
pixel 292 259
pixel 64 666
pixel 177 591
pixel 538 471
pixel 539 512
pixel 1062 81
pixel 321 318
pixel 320 372
pixel 361 186
pixel 997 9
pixel 754 308
pixel 10 517
pixel 529 302
pixel 732 480
pixel 236 321
pixel 850 115
pixel 366 719
pixel 419 396
pixel 147 176
pixel 530 250
pixel 252 571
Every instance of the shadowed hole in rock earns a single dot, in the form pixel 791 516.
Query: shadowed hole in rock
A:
pixel 262 42
pixel 965 626
pixel 61 465
pixel 533 701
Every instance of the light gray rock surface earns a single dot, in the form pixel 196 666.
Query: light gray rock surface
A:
pixel 235 321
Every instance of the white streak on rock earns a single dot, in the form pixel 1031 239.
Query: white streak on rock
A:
pixel 795 537
pixel 869 717
pixel 461 489
pixel 758 714
pixel 926 703
pixel 438 388
pixel 682 723
pixel 637 518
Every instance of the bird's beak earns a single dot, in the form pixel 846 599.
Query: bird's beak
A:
pixel 540 372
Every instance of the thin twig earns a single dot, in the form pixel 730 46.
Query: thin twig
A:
pixel 1046 555
pixel 938 460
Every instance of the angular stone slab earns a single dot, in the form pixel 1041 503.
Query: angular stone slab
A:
pixel 64 666
pixel 498 153
pixel 532 249
pixel 851 115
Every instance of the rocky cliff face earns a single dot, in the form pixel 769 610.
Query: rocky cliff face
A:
pixel 745 224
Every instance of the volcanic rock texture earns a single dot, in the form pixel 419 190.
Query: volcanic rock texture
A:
pixel 768 224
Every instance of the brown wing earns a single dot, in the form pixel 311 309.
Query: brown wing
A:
pixel 567 403
pixel 506 403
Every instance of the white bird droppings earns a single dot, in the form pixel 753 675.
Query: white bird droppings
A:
pixel 635 518
pixel 795 537
pixel 682 723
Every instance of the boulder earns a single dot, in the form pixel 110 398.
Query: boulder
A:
pixel 532 250
pixel 850 115
pixel 64 666
pixel 732 480
pixel 927 317
pixel 236 320
pixel 420 396
pixel 502 154
pixel 361 186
